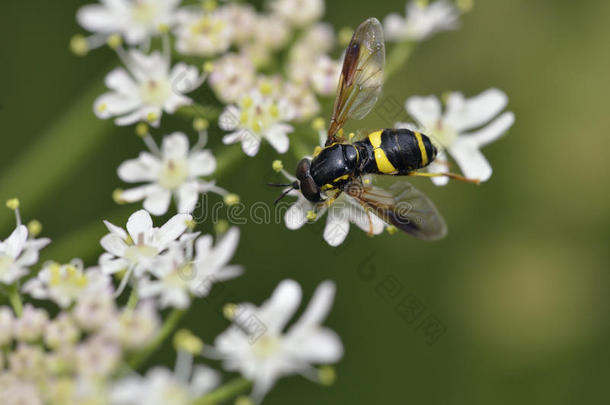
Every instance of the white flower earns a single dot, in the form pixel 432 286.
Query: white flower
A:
pixel 162 387
pixel 325 75
pixel 138 248
pixel 242 20
pixel 61 332
pixel 421 21
pixel 203 34
pixel 181 274
pixel 134 329
pixel 232 77
pixel 319 38
pixel 137 20
pixel 298 13
pixel 98 356
pixel 17 253
pixel 257 117
pixel 17 391
pixel 261 351
pixel 302 100
pixel 95 308
pixel 176 172
pixel 26 361
pixel 63 284
pixel 31 324
pixel 146 89
pixel 462 129
pixel 271 32
pixel 7 322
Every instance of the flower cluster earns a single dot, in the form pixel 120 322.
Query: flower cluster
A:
pixel 258 75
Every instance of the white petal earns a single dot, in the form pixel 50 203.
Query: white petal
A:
pixel 277 137
pixel 112 104
pixel 138 193
pixel 173 228
pixel 97 18
pixel 202 163
pixel 318 307
pixel 336 229
pixel 282 305
pixel 120 81
pixel 394 27
pixel 175 145
pixel 229 119
pixel 464 114
pixel 133 117
pixel 110 264
pixel 138 223
pixel 225 248
pixel 157 201
pixel 493 131
pixel 15 243
pixel 320 346
pixel 471 160
pixel 116 230
pixel 175 101
pixel 425 110
pixel 187 196
pixel 184 78
pixel 439 165
pixel 204 380
pixel 250 143
pixel 144 168
pixel 367 221
pixel 114 244
pixel 296 215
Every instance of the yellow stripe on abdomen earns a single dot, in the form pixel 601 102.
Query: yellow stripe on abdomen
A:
pixel 422 149
pixel 383 163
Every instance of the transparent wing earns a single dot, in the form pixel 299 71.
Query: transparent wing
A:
pixel 361 77
pixel 403 206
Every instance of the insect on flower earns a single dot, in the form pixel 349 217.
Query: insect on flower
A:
pixel 342 166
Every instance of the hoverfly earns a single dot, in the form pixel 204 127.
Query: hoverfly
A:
pixel 341 165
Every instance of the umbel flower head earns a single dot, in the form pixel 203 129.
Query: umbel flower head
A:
pixel 149 87
pixel 137 21
pixel 176 171
pixel 466 125
pixel 258 347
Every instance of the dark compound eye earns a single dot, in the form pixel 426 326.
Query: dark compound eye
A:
pixel 302 171
pixel 310 190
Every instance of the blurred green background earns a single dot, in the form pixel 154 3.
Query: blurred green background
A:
pixel 519 285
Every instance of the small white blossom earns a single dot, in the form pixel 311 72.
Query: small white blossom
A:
pixel 462 129
pixel 176 172
pixel 325 75
pixel 31 324
pixel 232 77
pixel 181 274
pixel 7 323
pixel 137 20
pixel 17 391
pixel 242 20
pixel 271 32
pixel 63 284
pixel 203 34
pixel 161 387
pixel 97 357
pixel 298 13
pixel 134 328
pixel 421 21
pixel 138 248
pixel 95 308
pixel 149 87
pixel 26 361
pixel 61 332
pixel 257 117
pixel 258 347
pixel 302 100
pixel 17 253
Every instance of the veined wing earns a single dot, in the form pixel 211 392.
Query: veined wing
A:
pixel 361 77
pixel 403 206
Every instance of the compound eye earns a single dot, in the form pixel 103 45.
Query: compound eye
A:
pixel 302 171
pixel 310 190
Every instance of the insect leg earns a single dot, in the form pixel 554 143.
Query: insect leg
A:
pixel 450 175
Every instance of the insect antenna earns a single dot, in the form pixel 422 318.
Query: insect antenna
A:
pixel 293 186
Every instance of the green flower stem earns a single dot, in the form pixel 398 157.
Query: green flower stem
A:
pixel 397 58
pixel 133 299
pixel 48 160
pixel 138 358
pixel 15 300
pixel 197 110
pixel 225 392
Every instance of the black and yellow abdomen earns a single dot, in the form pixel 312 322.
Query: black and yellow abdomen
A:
pixel 395 151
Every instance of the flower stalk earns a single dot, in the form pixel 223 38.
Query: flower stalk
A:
pixel 225 392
